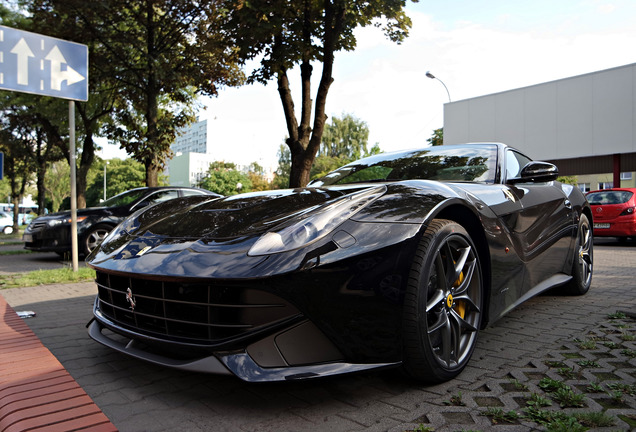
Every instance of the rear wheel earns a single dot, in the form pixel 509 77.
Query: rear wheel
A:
pixel 582 268
pixel 94 237
pixel 443 303
pixel 7 230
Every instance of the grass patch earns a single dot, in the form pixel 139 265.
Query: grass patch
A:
pixel 9 242
pixel 455 400
pixel 46 277
pixel 497 415
pixel 568 399
pixel 15 252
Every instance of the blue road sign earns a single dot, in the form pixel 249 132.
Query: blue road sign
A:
pixel 33 63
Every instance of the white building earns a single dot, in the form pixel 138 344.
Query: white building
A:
pixel 193 138
pixel 188 169
pixel 584 124
pixel 191 159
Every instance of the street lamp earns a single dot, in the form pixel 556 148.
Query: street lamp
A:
pixel 431 76
pixel 105 179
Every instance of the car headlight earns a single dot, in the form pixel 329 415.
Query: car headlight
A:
pixel 54 222
pixel 314 225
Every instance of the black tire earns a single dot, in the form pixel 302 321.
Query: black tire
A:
pixel 583 265
pixel 442 315
pixel 94 237
pixel 7 230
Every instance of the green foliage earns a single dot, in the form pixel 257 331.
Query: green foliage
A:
pixel 571 180
pixel 497 415
pixel 121 175
pixel 595 419
pixel 550 385
pixel 537 401
pixel 437 139
pixel 57 184
pixel 225 179
pixel 153 58
pixel 345 137
pixel 283 34
pixel 455 400
pixel 344 141
pixel 566 397
pixel 281 176
pixel 257 176
pixel 45 277
pixel 587 344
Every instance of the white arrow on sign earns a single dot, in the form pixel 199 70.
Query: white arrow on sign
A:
pixel 22 50
pixel 70 75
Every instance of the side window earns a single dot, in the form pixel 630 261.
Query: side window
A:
pixel 161 196
pixel 190 192
pixel 515 163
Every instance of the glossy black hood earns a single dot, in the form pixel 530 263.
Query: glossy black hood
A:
pixel 234 216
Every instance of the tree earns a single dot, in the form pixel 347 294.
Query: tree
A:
pixel 284 33
pixel 345 137
pixel 225 179
pixel 343 141
pixel 257 177
pixel 281 176
pixel 121 175
pixel 162 53
pixel 29 118
pixel 57 184
pixel 18 168
pixel 50 115
pixel 437 139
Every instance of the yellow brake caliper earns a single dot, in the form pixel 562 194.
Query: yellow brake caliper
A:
pixel 460 306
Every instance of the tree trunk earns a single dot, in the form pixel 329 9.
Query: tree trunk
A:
pixel 86 161
pixel 304 142
pixel 152 162
pixel 152 175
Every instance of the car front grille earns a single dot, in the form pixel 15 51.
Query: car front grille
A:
pixel 199 313
pixel 36 226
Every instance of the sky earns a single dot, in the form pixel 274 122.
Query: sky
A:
pixel 474 47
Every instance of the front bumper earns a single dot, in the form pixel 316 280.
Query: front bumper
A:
pixel 44 239
pixel 240 363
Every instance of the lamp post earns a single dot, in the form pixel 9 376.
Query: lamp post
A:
pixel 431 76
pixel 105 179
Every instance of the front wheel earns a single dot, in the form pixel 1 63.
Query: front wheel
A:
pixel 443 303
pixel 94 237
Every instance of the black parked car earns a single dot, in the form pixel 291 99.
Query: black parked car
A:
pixel 52 233
pixel 398 259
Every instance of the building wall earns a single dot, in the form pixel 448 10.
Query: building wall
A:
pixel 587 115
pixel 187 169
pixel 193 138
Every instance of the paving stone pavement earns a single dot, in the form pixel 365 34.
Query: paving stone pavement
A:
pixel 569 339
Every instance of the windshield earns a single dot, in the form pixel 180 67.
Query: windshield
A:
pixel 475 163
pixel 609 197
pixel 123 198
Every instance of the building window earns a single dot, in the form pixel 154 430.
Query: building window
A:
pixel 605 185
pixel 585 187
pixel 626 176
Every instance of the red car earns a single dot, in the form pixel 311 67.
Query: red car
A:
pixel 613 212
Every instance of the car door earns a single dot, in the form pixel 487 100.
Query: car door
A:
pixel 542 229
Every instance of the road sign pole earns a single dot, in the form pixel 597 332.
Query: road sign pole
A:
pixel 71 146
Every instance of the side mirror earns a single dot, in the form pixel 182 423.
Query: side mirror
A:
pixel 536 172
